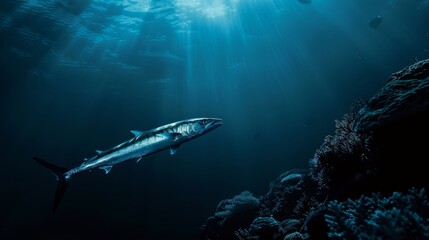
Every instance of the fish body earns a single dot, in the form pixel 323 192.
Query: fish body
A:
pixel 144 143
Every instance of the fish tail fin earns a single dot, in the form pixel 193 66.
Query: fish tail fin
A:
pixel 62 179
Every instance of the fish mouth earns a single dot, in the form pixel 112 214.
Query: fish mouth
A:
pixel 215 122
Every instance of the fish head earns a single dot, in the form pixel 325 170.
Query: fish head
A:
pixel 200 126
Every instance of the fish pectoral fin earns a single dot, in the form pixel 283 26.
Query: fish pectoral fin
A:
pixel 171 136
pixel 136 132
pixel 106 169
pixel 138 159
pixel 173 150
pixel 98 151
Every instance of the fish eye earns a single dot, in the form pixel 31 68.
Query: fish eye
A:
pixel 204 121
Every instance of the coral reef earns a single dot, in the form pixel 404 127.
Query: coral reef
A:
pixel 373 144
pixel 295 236
pixel 231 214
pixel 343 159
pixel 264 225
pixel 400 216
pixel 281 200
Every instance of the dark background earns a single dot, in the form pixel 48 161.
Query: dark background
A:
pixel 78 75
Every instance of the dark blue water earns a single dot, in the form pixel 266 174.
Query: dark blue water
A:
pixel 78 75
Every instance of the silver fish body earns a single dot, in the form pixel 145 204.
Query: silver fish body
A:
pixel 144 143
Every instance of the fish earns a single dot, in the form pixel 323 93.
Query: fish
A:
pixel 376 22
pixel 144 143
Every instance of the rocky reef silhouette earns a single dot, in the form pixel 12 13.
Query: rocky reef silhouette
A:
pixel 366 181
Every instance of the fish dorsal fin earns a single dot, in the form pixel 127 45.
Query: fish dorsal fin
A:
pixel 136 132
pixel 171 136
pixel 98 151
pixel 106 169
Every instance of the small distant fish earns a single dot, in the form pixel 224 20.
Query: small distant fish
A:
pixel 376 22
pixel 305 1
pixel 426 51
pixel 169 136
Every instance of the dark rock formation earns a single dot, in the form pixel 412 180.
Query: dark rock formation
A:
pixel 377 148
pixel 419 70
pixel 406 94
pixel 397 119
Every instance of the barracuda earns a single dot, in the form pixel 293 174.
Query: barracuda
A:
pixel 144 143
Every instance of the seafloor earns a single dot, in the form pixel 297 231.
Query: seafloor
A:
pixel 366 181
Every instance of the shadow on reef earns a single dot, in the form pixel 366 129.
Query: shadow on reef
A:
pixel 367 181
